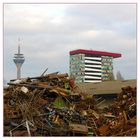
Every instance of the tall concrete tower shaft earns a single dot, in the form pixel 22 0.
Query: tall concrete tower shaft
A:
pixel 19 60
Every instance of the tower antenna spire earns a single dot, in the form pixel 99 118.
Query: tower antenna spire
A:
pixel 18 45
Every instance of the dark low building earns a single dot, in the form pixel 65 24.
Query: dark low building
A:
pixel 105 92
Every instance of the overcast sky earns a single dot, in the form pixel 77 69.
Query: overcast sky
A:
pixel 49 31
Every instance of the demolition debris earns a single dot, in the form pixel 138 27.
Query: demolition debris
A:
pixel 51 105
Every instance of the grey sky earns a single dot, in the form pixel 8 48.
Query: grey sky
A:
pixel 49 31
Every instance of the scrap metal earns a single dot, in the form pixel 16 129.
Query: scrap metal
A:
pixel 50 105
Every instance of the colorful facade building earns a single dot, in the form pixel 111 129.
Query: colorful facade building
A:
pixel 91 66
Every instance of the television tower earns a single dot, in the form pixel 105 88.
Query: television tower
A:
pixel 19 60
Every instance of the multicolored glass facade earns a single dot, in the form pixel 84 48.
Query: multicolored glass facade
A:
pixel 107 67
pixel 77 67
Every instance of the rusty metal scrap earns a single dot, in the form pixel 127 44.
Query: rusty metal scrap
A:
pixel 49 105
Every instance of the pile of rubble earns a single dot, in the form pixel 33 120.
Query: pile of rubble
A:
pixel 123 114
pixel 50 105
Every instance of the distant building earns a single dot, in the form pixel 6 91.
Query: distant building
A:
pixel 91 66
pixel 18 60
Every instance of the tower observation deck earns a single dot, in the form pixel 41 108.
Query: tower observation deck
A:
pixel 18 60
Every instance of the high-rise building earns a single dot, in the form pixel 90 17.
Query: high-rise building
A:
pixel 19 60
pixel 91 66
